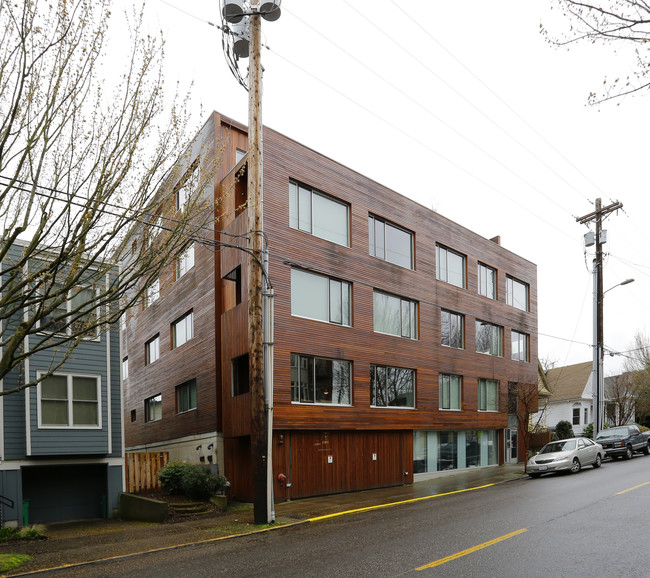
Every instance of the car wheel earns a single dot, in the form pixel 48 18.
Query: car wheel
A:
pixel 534 475
pixel 598 461
pixel 628 453
pixel 646 449
pixel 575 466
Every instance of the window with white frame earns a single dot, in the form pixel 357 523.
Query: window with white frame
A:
pixel 576 415
pixel 152 350
pixel 186 396
pixel 185 261
pixel 489 338
pixel 392 386
pixel 487 281
pixel 516 293
pixel 183 330
pixel 152 293
pixel 519 344
pixel 450 266
pixel 449 391
pixel 320 380
pixel 452 329
pixel 390 242
pixel 319 297
pixel 77 313
pixel 395 315
pixel 488 395
pixel 318 214
pixel 125 368
pixel 153 408
pixel 69 401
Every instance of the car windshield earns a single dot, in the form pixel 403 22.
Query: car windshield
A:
pixel 560 446
pixel 613 432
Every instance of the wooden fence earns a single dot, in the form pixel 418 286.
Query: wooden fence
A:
pixel 539 439
pixel 142 470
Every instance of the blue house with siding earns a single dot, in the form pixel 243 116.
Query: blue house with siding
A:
pixel 61 441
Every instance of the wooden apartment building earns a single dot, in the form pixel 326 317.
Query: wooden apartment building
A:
pixel 398 333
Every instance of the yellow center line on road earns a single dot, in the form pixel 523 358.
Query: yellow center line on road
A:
pixel 630 489
pixel 470 550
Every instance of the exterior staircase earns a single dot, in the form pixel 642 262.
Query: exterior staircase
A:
pixel 187 509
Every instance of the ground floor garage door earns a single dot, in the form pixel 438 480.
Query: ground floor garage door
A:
pixel 72 492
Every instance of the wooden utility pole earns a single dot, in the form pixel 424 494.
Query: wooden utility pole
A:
pixel 259 442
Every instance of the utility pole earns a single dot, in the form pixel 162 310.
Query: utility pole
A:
pixel 597 372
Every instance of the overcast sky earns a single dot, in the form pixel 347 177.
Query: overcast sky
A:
pixel 465 108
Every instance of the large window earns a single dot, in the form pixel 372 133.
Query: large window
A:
pixel 319 297
pixel 186 396
pixel 516 293
pixel 449 395
pixel 519 346
pixel 320 380
pixel 395 315
pixel 69 401
pixel 488 395
pixel 152 293
pixel 487 281
pixel 185 261
pixel 489 338
pixel 435 451
pixel 450 266
pixel 183 330
pixel 318 214
pixel 152 350
pixel 77 313
pixel 452 329
pixel 390 243
pixel 392 386
pixel 153 408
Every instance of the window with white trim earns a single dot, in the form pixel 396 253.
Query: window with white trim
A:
pixel 449 391
pixel 183 330
pixel 487 281
pixel 519 345
pixel 152 350
pixel 320 380
pixel 125 368
pixel 516 293
pixel 76 314
pixel 395 315
pixel 69 401
pixel 488 395
pixel 390 242
pixel 185 261
pixel 450 267
pixel 153 408
pixel 392 386
pixel 489 338
pixel 319 297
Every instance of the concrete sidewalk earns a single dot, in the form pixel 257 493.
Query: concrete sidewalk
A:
pixel 71 543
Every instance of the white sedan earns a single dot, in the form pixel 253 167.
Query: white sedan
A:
pixel 565 455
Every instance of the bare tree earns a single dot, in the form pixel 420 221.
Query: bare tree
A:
pixel 86 178
pixel 637 365
pixel 615 22
pixel 622 393
pixel 523 402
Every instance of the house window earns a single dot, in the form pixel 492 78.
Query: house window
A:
pixel 449 395
pixel 153 408
pixel 519 346
pixel 152 350
pixel 450 266
pixel 487 281
pixel 185 261
pixel 186 396
pixel 392 386
pixel 76 314
pixel 152 293
pixel 319 297
pixel 489 338
pixel 586 419
pixel 576 415
pixel 488 395
pixel 240 375
pixel 69 401
pixel 125 368
pixel 318 214
pixel 390 243
pixel 183 330
pixel 516 293
pixel 394 315
pixel 320 380
pixel 452 329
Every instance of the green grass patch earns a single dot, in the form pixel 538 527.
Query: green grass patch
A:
pixel 10 562
pixel 33 532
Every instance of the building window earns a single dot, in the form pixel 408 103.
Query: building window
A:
pixel 449 395
pixel 488 395
pixel 452 329
pixel 183 330
pixel 240 375
pixel 394 315
pixel 516 293
pixel 586 419
pixel 133 416
pixel 519 346
pixel 152 293
pixel 320 380
pixel 576 415
pixel 450 266
pixel 187 184
pixel 152 350
pixel 489 338
pixel 392 386
pixel 232 289
pixel 318 214
pixel 435 451
pixel 153 408
pixel 487 281
pixel 77 314
pixel 186 396
pixel 70 401
pixel 319 297
pixel 185 261
pixel 239 155
pixel 125 368
pixel 390 243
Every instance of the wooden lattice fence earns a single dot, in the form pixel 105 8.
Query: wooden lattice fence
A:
pixel 142 470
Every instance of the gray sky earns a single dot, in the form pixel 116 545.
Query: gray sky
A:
pixel 465 108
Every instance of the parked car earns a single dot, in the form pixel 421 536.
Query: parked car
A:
pixel 624 440
pixel 568 455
